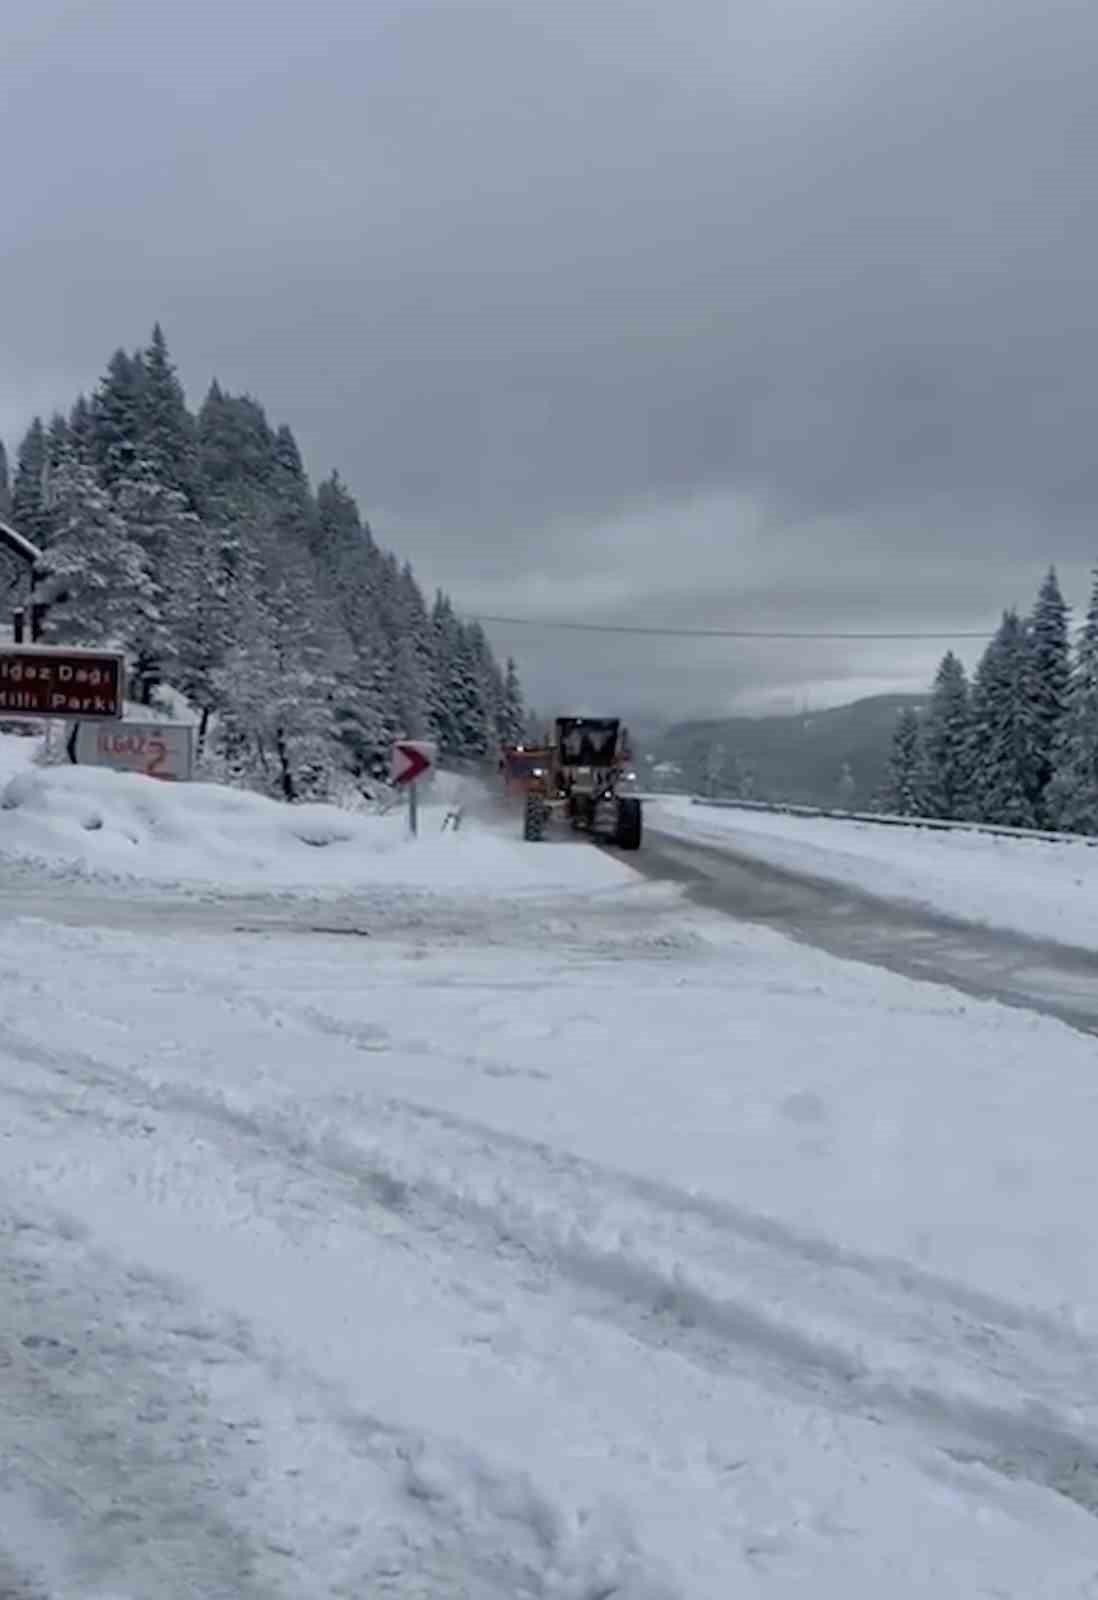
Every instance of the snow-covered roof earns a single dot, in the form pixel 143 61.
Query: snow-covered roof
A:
pixel 19 544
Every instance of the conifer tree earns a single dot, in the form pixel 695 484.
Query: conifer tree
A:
pixel 901 795
pixel 235 444
pixel 198 610
pixel 1005 761
pixel 513 712
pixel 448 706
pixel 945 785
pixel 82 429
pixel 159 523
pixel 1072 798
pixel 413 660
pixel 167 447
pixel 1050 676
pixel 57 442
pixel 95 582
pixel 117 412
pixel 29 507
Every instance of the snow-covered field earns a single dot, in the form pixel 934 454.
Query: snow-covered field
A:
pixel 537 1236
pixel 1048 889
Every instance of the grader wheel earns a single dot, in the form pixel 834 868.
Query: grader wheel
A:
pixel 533 826
pixel 628 834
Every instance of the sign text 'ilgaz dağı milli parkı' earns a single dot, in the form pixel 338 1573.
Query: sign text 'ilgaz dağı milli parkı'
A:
pixel 44 681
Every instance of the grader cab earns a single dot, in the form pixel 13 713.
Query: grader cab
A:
pixel 526 769
pixel 578 777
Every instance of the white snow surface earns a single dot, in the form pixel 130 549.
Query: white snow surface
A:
pixel 496 1242
pixel 87 821
pixel 1045 888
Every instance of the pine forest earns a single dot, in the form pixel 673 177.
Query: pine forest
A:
pixel 197 545
pixel 1016 746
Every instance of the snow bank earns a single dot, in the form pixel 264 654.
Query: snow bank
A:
pixel 17 752
pixel 1033 886
pixel 89 821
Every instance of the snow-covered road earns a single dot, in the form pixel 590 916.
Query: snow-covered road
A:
pixel 1039 888
pixel 879 923
pixel 533 1235
pixel 615 1254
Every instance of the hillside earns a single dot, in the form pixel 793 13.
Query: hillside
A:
pixel 196 543
pixel 799 758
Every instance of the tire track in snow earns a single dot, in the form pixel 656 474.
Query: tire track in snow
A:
pixel 106 1448
pixel 679 1291
pixel 729 1292
pixel 472 1532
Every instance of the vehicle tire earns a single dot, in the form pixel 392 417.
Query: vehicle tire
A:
pixel 533 827
pixel 628 835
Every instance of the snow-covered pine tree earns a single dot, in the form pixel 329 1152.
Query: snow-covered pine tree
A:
pixel 57 449
pixel 159 522
pixel 1072 796
pixel 486 713
pixel 82 429
pixel 57 442
pixel 12 570
pixel 96 581
pixel 413 662
pixel 1050 669
pixel 117 417
pixel 235 444
pixel 513 712
pixel 168 446
pixel 29 509
pixel 1005 766
pixel 198 610
pixel 901 796
pixel 289 477
pixel 468 693
pixel 447 644
pixel 277 683
pixel 340 538
pixel 945 779
pixel 353 584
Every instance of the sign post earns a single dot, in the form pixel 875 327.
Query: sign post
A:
pixel 156 749
pixel 51 681
pixel 412 759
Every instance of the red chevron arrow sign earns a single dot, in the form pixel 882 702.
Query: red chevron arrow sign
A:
pixel 412 759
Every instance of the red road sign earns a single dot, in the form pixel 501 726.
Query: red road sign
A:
pixel 411 759
pixel 47 681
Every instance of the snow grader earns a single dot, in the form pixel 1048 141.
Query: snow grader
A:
pixel 576 776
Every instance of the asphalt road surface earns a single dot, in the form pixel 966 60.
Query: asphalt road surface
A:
pixel 1037 974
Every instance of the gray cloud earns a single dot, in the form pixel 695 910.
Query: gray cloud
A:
pixel 693 313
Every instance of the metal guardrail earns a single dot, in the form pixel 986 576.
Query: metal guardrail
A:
pixel 931 824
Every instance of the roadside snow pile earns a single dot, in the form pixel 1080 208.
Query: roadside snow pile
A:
pixel 1047 889
pixel 17 752
pixel 94 822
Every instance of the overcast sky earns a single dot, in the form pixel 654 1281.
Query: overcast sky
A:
pixel 698 312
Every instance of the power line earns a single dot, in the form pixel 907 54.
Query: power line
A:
pixel 710 633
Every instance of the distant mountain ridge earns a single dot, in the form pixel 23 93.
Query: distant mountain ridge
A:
pixel 822 758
